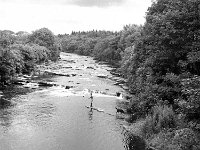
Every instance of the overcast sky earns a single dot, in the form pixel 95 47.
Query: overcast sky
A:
pixel 64 16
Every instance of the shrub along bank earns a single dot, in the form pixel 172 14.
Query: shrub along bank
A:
pixel 20 52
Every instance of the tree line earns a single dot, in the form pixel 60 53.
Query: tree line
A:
pixel 102 45
pixel 21 51
pixel 161 61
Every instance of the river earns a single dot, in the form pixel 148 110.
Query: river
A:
pixel 56 118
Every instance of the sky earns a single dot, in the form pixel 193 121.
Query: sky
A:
pixel 65 16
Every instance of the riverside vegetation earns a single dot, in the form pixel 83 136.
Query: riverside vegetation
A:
pixel 21 51
pixel 160 60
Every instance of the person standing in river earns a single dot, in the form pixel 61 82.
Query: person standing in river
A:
pixel 91 112
pixel 91 97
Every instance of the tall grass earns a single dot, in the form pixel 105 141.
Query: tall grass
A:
pixel 163 117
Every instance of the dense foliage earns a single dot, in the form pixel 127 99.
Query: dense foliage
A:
pixel 103 45
pixel 21 51
pixel 166 56
pixel 163 68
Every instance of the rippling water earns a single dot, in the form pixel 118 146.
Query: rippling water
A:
pixel 56 118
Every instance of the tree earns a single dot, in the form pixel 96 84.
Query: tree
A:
pixel 129 35
pixel 7 38
pixel 44 37
pixel 168 48
pixel 10 62
pixel 172 30
pixel 22 37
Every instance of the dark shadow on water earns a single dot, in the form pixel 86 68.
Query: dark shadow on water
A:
pixel 5 103
pixel 6 117
pixel 133 142
pixel 91 110
pixel 14 91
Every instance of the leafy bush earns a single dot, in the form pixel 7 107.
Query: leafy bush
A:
pixel 162 140
pixel 8 66
pixel 163 117
pixel 181 139
pixel 189 102
pixel 42 54
pixel 185 139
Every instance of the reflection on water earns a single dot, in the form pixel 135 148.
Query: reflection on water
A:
pixel 4 103
pixel 90 114
pixel 5 119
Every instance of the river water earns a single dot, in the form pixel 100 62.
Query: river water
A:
pixel 56 118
